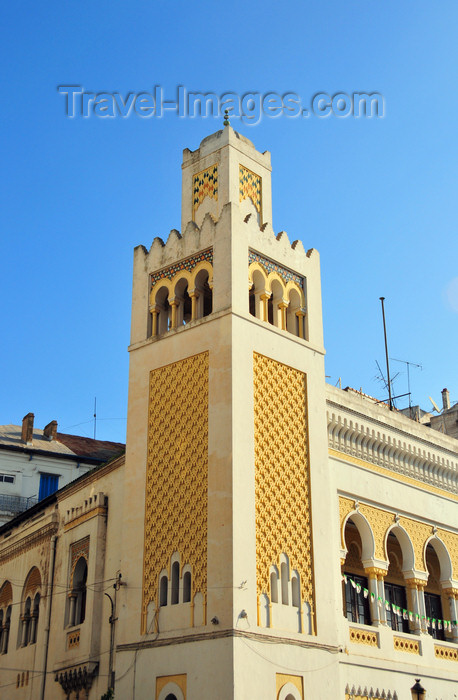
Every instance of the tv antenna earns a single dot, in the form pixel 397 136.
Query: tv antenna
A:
pixel 409 364
pixel 95 415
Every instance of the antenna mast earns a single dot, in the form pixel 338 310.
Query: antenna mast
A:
pixel 382 299
pixel 95 415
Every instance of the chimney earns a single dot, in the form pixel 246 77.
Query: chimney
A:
pixel 50 430
pixel 27 428
pixel 445 399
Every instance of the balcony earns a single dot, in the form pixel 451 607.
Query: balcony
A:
pixel 13 505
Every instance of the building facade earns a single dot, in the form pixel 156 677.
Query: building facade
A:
pixel 35 463
pixel 267 536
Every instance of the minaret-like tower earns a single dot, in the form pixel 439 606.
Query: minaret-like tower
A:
pixel 226 462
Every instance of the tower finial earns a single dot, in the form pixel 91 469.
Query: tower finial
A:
pixel 226 121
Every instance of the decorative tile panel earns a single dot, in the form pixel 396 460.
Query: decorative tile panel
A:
pixel 282 479
pixel 176 474
pixel 77 550
pixel 73 639
pixel 358 636
pixel 204 184
pixel 189 264
pixel 409 645
pixel 445 653
pixel 271 266
pixel 250 186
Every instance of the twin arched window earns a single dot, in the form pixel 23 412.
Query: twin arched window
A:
pixel 28 623
pixel 187 297
pixel 180 588
pixel 77 596
pixel 280 303
pixel 289 586
pixel 6 598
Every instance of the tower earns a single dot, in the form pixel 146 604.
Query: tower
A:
pixel 227 485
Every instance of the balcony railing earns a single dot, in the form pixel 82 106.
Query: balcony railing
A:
pixel 16 504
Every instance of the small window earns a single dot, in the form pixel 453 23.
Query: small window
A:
pixel 187 587
pixel 356 604
pixel 274 587
pixel 7 478
pixel 49 483
pixel 284 584
pixel 175 582
pixel 433 606
pixel 396 595
pixel 163 591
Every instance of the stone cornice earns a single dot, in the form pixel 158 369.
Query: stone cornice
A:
pixel 400 452
pixel 22 545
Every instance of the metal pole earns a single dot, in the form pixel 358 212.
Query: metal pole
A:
pixel 382 299
pixel 49 593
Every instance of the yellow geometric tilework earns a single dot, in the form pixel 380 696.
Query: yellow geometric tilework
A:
pixel 77 550
pixel 450 539
pixel 418 533
pixel 204 184
pixel 176 474
pixel 282 481
pixel 346 505
pixel 250 185
pixel 380 521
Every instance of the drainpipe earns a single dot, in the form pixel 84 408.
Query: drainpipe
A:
pixel 48 613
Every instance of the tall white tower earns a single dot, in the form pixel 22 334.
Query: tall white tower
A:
pixel 227 487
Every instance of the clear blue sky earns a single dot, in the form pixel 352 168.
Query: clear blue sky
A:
pixel 377 198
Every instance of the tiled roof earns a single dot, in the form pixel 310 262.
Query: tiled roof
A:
pixel 64 445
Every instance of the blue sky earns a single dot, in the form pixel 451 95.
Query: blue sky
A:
pixel 376 197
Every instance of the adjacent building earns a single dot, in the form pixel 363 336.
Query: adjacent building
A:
pixel 35 463
pixel 265 535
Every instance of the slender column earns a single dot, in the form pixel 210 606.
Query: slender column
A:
pixel 33 628
pixel 5 635
pixel 72 608
pixel 376 577
pixel 283 306
pixel 415 602
pixel 421 603
pixel 300 322
pixel 25 621
pixel 194 296
pixel 264 308
pixel 154 315
pixel 452 595
pixel 174 306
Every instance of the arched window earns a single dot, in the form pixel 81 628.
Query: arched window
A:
pixel 34 620
pixel 171 696
pixel 187 587
pixel 276 315
pixel 163 586
pixel 175 583
pixel 204 294
pixel 295 591
pixel 161 312
pixel 6 630
pixel 284 583
pixel 433 599
pixel 79 591
pixel 395 591
pixel 25 622
pixel 184 303
pixel 355 593
pixel 274 587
